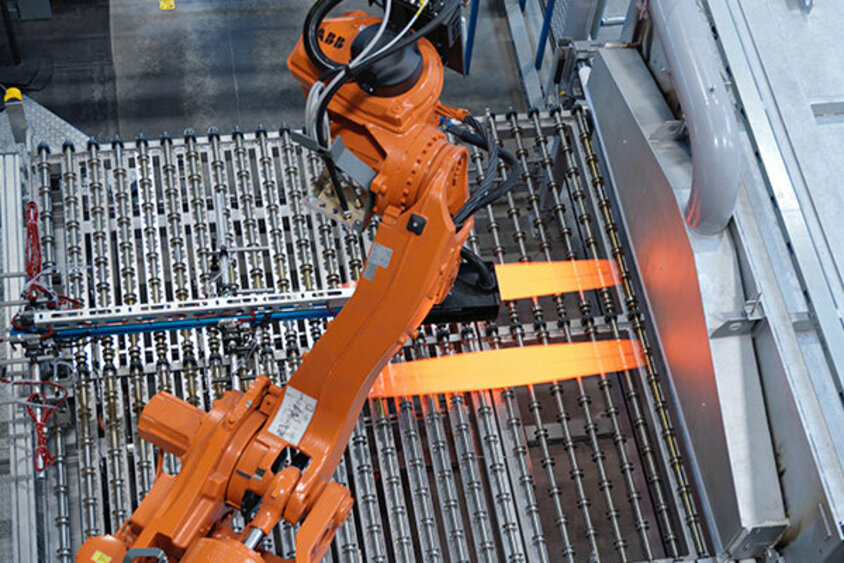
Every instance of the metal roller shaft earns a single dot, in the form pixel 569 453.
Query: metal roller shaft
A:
pixel 45 201
pixel 347 543
pixel 457 544
pixel 228 266
pixel 291 182
pixel 399 526
pixel 102 282
pixel 244 341
pixel 683 488
pixel 278 246
pixel 420 488
pixel 64 552
pixel 247 211
pixel 200 215
pixel 293 188
pixel 152 244
pixel 48 247
pixel 537 539
pixel 127 260
pixel 325 227
pixel 225 229
pixel 366 496
pixel 202 245
pixel 178 263
pixel 465 449
pixel 84 409
pixel 495 466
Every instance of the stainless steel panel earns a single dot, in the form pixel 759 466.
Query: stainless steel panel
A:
pixel 716 385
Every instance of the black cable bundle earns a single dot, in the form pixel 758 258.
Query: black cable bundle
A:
pixel 312 22
pixel 485 194
pixel 481 137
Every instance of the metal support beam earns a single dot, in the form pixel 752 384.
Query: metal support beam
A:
pixel 524 53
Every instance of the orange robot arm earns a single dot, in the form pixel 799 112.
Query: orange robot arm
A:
pixel 230 457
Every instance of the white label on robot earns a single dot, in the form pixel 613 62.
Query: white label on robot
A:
pixel 293 417
pixel 379 256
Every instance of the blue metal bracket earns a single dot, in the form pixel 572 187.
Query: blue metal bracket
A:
pixel 543 34
pixel 61 333
pixel 470 35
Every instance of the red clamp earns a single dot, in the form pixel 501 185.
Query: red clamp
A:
pixel 43 458
pixel 33 248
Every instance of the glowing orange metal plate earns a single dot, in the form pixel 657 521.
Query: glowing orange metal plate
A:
pixel 507 367
pixel 521 281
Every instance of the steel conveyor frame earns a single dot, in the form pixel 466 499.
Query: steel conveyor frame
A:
pixel 594 467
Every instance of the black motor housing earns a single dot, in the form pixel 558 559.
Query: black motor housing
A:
pixel 392 75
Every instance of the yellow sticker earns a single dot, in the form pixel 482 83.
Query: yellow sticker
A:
pixel 99 556
pixel 166 5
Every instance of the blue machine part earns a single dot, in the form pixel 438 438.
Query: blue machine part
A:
pixel 543 33
pixel 470 35
pixel 182 324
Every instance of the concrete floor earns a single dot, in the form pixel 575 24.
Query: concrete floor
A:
pixel 125 67
pixel 77 42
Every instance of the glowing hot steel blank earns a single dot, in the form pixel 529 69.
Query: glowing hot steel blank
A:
pixel 493 369
pixel 520 281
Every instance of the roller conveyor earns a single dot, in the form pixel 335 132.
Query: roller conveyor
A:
pixel 675 218
pixel 586 468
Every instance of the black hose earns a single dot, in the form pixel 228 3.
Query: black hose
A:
pixel 484 196
pixel 423 31
pixel 505 186
pixel 485 140
pixel 335 182
pixel 330 68
pixel 403 43
pixel 486 280
pixel 309 35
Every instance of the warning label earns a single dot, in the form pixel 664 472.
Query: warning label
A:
pixel 293 417
pixel 379 257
